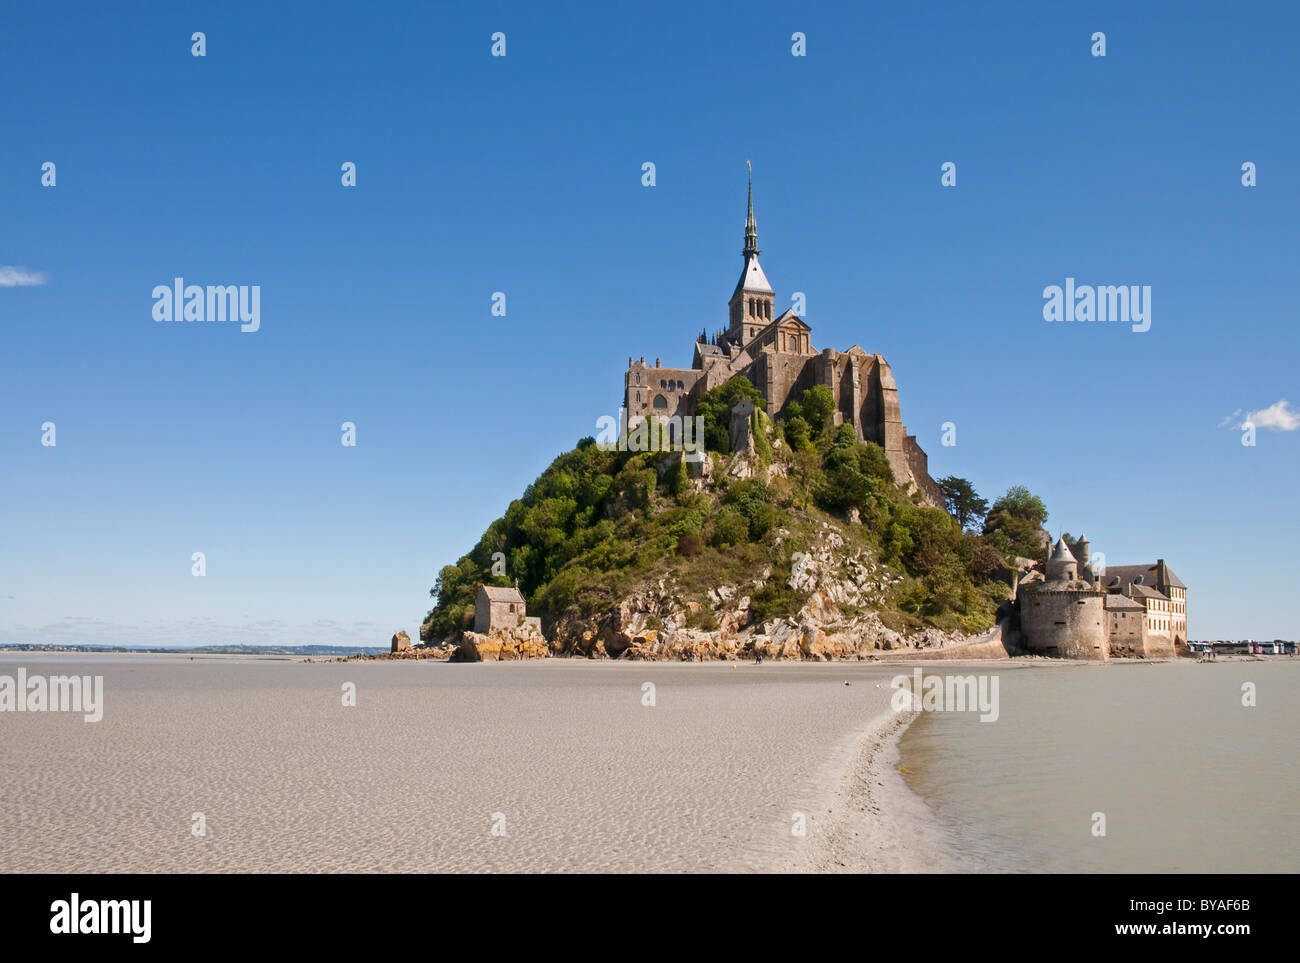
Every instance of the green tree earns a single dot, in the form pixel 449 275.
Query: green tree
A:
pixel 678 480
pixel 748 496
pixel 730 528
pixel 817 404
pixel 986 562
pixel 797 434
pixel 715 408
pixel 1020 502
pixel 963 502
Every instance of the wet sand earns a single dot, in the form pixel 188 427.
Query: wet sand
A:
pixel 583 775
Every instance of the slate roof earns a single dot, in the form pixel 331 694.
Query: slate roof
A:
pixel 752 277
pixel 1143 591
pixel 1063 553
pixel 496 594
pixel 1123 602
pixel 1127 573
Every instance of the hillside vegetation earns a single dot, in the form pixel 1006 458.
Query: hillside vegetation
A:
pixel 599 525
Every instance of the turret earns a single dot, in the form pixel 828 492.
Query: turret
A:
pixel 1062 566
pixel 1083 550
pixel 1083 554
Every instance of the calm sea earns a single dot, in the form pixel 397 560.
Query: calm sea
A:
pixel 1188 779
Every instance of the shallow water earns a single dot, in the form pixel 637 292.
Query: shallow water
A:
pixel 1188 779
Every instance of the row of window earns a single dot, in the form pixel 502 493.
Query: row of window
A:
pixel 668 384
pixel 759 308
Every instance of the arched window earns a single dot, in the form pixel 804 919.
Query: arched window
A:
pixel 661 401
pixel 767 310
pixel 662 383
pixel 681 386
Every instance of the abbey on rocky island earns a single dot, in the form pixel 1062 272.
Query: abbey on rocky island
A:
pixel 775 352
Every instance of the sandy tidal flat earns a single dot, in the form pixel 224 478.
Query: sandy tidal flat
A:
pixel 561 755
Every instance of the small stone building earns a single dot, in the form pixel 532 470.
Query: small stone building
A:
pixel 1127 625
pixel 501 608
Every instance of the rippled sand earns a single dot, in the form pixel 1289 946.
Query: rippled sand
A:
pixel 587 778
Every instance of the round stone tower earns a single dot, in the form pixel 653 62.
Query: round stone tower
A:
pixel 1083 553
pixel 1064 619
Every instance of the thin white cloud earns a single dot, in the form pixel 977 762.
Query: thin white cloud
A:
pixel 1279 416
pixel 19 277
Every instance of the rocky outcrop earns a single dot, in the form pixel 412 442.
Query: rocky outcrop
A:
pixel 401 642
pixel 502 645
pixel 739 433
pixel 438 651
pixel 841 590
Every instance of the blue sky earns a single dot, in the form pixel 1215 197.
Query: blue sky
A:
pixel 522 174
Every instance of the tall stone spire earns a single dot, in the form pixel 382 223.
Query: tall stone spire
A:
pixel 751 229
pixel 753 302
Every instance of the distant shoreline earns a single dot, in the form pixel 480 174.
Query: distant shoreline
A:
pixel 245 651
pixel 326 655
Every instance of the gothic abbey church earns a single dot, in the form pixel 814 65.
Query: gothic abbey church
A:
pixel 775 352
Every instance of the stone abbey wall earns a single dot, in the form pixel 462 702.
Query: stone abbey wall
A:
pixel 658 391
